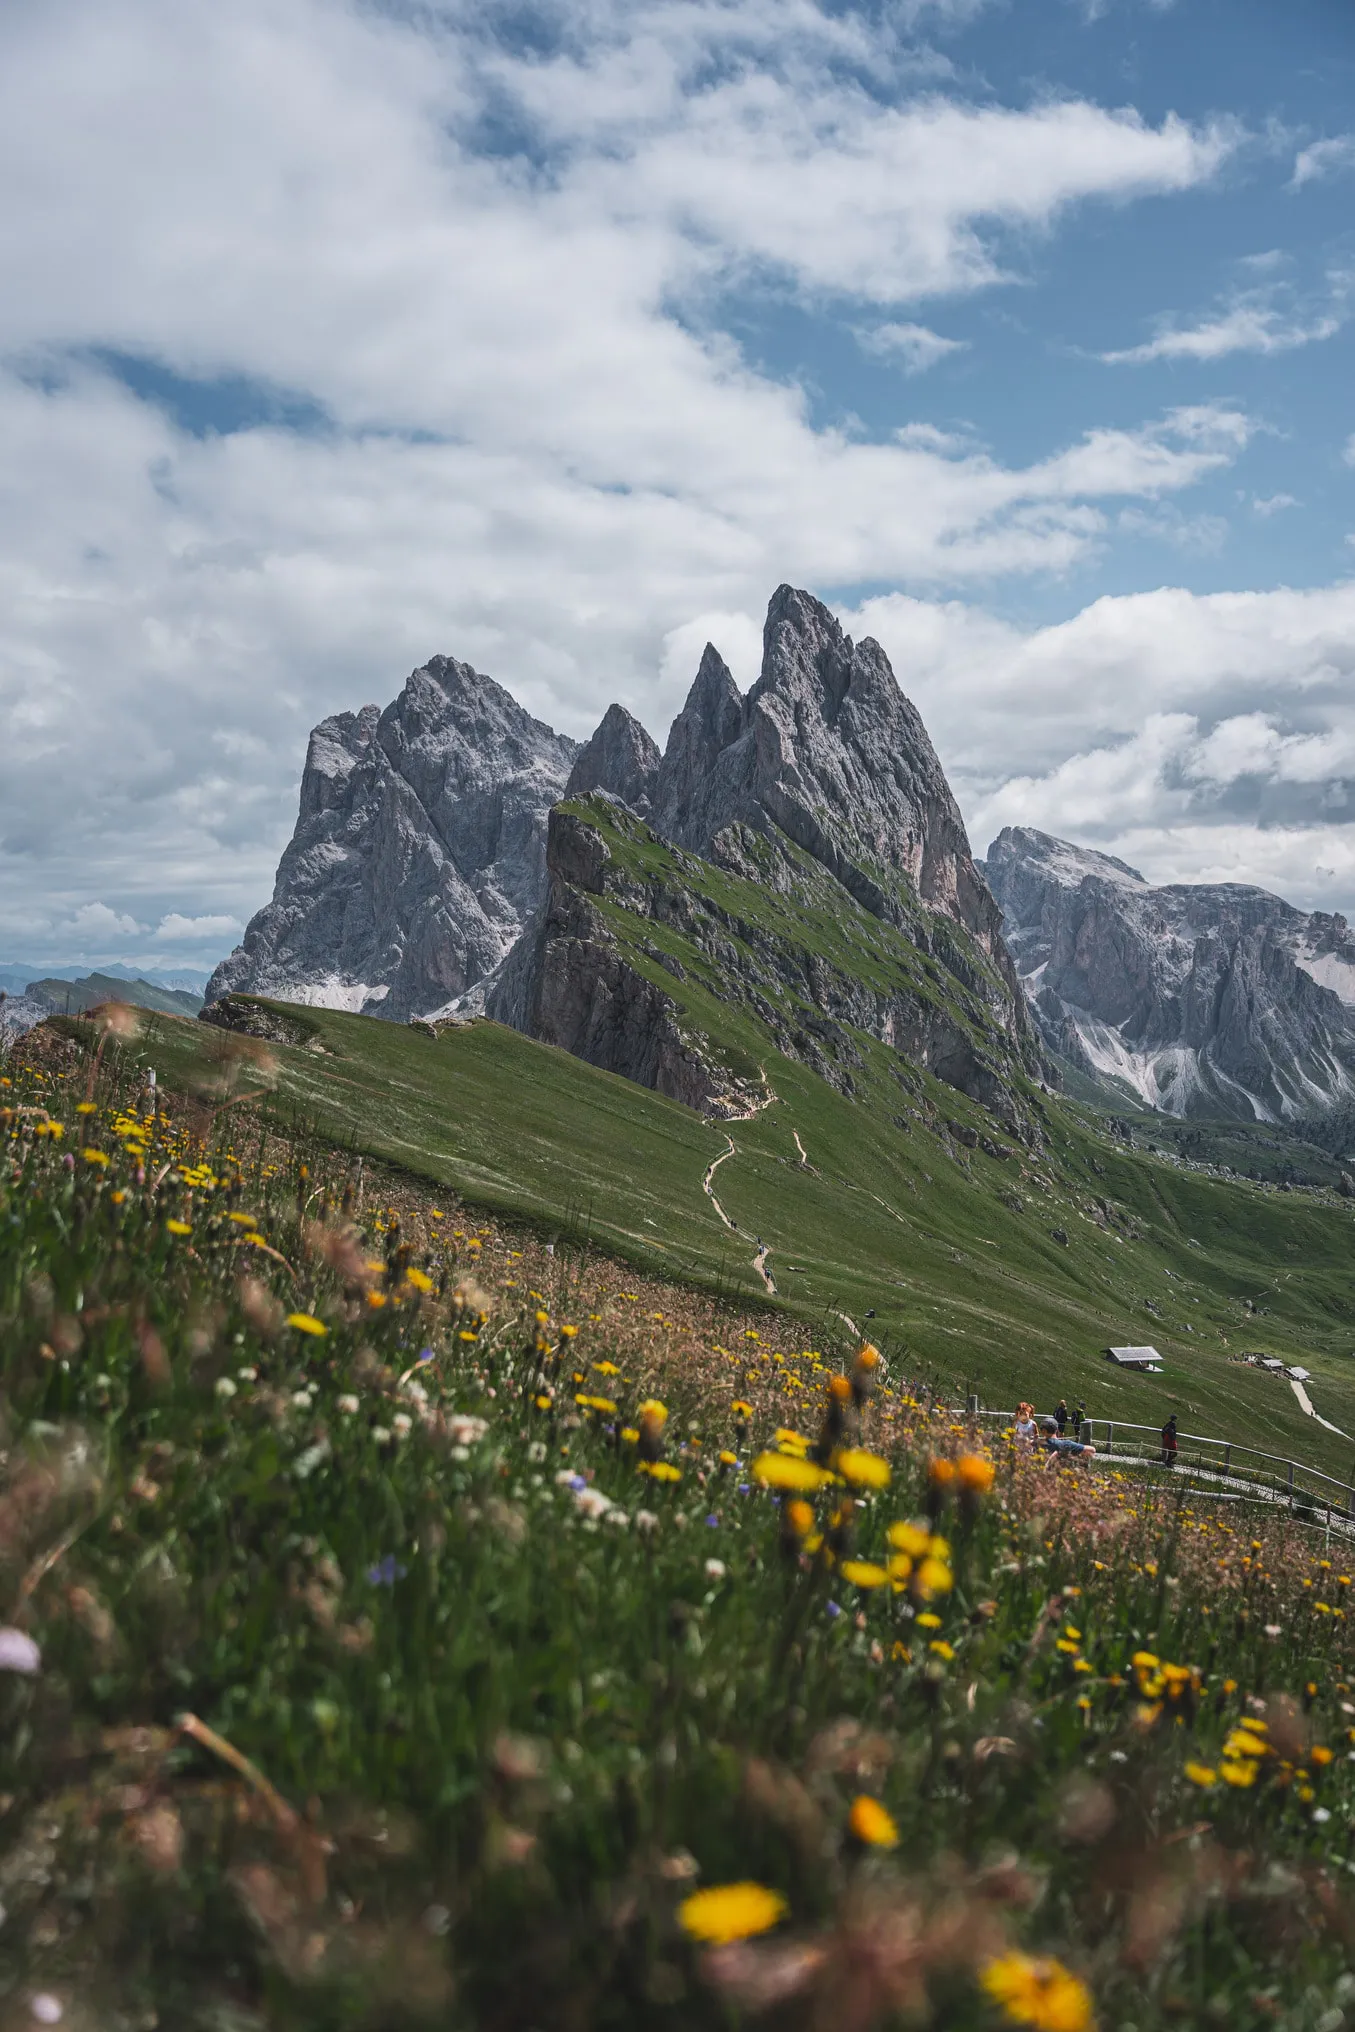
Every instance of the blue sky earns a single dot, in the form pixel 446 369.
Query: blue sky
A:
pixel 337 336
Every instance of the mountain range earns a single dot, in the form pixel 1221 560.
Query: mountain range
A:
pixel 454 856
pixel 1196 998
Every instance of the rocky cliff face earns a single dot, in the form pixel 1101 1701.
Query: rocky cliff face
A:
pixel 822 785
pixel 419 851
pixel 620 759
pixel 827 751
pixel 420 855
pixel 1203 998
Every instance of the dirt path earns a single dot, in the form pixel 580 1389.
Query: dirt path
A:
pixel 708 1187
pixel 805 1164
pixel 1306 1405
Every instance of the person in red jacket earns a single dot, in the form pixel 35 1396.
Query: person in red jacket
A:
pixel 1169 1442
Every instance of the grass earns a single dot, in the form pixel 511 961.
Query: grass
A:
pixel 397 1662
pixel 952 1251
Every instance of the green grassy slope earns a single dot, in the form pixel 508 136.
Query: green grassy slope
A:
pixel 902 1220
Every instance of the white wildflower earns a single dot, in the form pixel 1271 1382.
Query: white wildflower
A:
pixel 225 1387
pixel 402 1425
pixel 248 1375
pixel 381 1435
pixel 349 1405
pixel 592 1502
pixel 302 1399
pixel 536 1452
pixel 463 1430
pixel 18 1652
pixel 646 1520
pixel 715 1569
pixel 46 2008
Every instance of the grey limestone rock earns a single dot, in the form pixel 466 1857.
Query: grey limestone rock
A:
pixel 418 854
pixel 620 758
pixel 1204 998
pixel 826 749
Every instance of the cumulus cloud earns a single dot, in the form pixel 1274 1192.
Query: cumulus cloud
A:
pixel 175 929
pixel 1183 732
pixel 1253 323
pixel 914 348
pixel 1323 159
pixel 337 336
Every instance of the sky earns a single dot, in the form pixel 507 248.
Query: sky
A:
pixel 554 337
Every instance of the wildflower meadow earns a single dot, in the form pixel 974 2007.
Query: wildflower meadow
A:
pixel 403 1623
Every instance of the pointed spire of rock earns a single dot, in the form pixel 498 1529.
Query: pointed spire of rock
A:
pixel 701 737
pixel 621 758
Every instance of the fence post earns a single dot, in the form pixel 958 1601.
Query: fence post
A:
pixel 1110 1436
pixel 1291 1485
pixel 1227 1457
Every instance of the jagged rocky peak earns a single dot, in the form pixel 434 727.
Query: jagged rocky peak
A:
pixel 1201 997
pixel 621 759
pixel 828 749
pixel 419 850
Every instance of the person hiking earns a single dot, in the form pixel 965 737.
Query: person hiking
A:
pixel 1061 1414
pixel 1169 1442
pixel 1079 1420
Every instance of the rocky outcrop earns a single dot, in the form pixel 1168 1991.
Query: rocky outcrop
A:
pixel 1203 998
pixel 620 759
pixel 568 982
pixel 419 851
pixel 827 750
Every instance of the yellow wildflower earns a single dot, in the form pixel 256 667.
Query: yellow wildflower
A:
pixel 872 1823
pixel 307 1323
pixel 728 1912
pixel 787 1471
pixel 661 1470
pixel 1038 1991
pixel 178 1227
pixel 419 1279
pixel 914 1539
pixel 863 1573
pixel 976 1473
pixel 867 1470
pixel 1200 1774
pixel 934 1577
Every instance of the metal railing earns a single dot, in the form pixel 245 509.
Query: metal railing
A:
pixel 1244 1470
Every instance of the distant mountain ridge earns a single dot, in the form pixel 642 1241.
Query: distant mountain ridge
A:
pixel 1199 998
pixel 429 875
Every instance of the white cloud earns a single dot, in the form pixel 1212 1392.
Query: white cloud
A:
pixel 1323 159
pixel 913 347
pixel 220 930
pixel 1349 452
pixel 1272 504
pixel 1249 325
pixel 94 924
pixel 535 447
pixel 1182 732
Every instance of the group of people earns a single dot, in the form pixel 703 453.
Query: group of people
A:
pixel 1051 1432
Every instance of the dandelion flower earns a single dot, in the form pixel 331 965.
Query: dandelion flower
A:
pixel 178 1228
pixel 934 1577
pixel 661 1471
pixel 1039 1992
pixel 1239 1771
pixel 872 1824
pixel 787 1471
pixel 864 1573
pixel 866 1470
pixel 942 1649
pixel 914 1539
pixel 1200 1774
pixel 976 1473
pixel 728 1912
pixel 307 1323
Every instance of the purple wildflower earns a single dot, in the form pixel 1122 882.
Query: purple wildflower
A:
pixel 18 1652
pixel 834 1609
pixel 386 1571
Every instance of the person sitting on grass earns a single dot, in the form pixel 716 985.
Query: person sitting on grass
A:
pixel 1055 1444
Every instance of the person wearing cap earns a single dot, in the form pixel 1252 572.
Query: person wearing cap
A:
pixel 1055 1444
